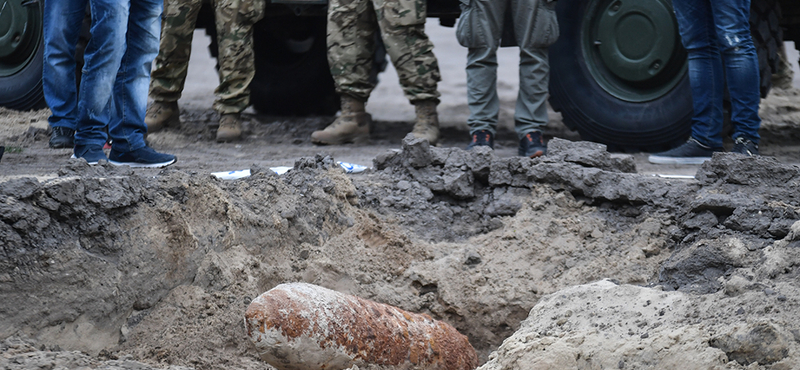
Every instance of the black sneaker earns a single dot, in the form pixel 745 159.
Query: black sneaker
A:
pixel 691 152
pixel 481 138
pixel 62 137
pixel 745 147
pixel 144 157
pixel 532 145
pixel 91 153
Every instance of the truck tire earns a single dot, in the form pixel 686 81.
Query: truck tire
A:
pixel 21 56
pixel 292 75
pixel 619 74
pixel 765 16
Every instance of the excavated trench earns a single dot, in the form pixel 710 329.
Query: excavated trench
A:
pixel 616 269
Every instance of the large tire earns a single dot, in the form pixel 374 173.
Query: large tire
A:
pixel 21 56
pixel 630 98
pixel 292 75
pixel 765 16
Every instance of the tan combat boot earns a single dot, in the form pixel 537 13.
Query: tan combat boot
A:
pixel 162 114
pixel 230 128
pixel 352 126
pixel 427 124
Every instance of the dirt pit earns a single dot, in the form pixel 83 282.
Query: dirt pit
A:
pixel 574 260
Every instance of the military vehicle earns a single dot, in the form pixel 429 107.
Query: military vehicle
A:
pixel 619 73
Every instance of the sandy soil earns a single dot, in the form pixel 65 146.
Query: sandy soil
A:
pixel 581 259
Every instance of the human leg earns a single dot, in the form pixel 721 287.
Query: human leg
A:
pixel 236 59
pixel 479 30
pixel 696 25
pixel 62 26
pixel 534 66
pixel 741 65
pixel 102 59
pixel 402 27
pixel 175 47
pixel 351 44
pixel 172 63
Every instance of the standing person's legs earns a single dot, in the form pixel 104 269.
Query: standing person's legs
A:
pixel 534 65
pixel 175 48
pixel 352 27
pixel 235 19
pixel 402 27
pixel 62 26
pixel 172 63
pixel 480 31
pixel 741 65
pixel 126 126
pixel 237 67
pixel 698 35
pixel 102 60
pixel 351 45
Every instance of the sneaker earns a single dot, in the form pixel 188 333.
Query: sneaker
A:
pixel 144 157
pixel 691 152
pixel 62 137
pixel 745 147
pixel 90 153
pixel 481 138
pixel 532 145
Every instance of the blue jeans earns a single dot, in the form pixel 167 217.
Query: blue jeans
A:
pixel 716 33
pixel 62 27
pixel 116 74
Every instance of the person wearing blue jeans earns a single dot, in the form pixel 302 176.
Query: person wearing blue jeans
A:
pixel 62 27
pixel 116 77
pixel 716 34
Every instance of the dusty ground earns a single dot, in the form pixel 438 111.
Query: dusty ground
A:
pixel 582 259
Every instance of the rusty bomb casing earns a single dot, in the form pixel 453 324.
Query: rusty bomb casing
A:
pixel 301 326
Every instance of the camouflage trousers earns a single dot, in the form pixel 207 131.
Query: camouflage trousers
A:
pixel 234 23
pixel 352 29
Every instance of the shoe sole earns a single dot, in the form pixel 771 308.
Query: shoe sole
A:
pixel 142 165
pixel 536 154
pixel 90 163
pixel 655 159
pixel 357 140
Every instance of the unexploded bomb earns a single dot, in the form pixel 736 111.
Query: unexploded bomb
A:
pixel 303 327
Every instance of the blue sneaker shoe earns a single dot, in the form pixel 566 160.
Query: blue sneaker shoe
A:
pixel 144 157
pixel 691 152
pixel 481 138
pixel 745 147
pixel 91 153
pixel 532 145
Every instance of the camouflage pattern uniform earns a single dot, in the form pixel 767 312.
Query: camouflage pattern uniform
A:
pixel 352 26
pixel 234 22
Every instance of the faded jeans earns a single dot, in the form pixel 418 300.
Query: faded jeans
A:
pixel 116 74
pixel 62 27
pixel 716 33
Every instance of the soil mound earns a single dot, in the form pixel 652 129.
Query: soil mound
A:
pixel 160 269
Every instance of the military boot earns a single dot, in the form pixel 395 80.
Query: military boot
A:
pixel 427 124
pixel 162 114
pixel 352 126
pixel 230 128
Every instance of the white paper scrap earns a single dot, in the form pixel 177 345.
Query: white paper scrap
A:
pixel 352 168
